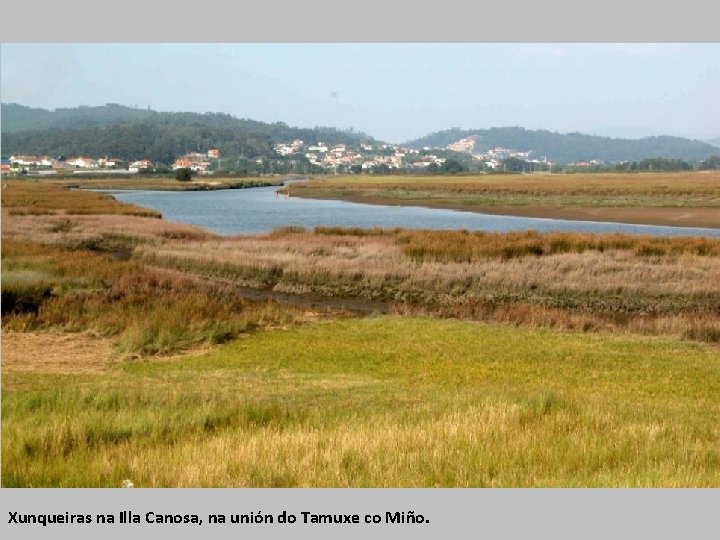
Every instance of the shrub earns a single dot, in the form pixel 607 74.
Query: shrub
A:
pixel 183 175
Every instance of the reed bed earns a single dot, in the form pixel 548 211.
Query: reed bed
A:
pixel 616 281
pixel 145 311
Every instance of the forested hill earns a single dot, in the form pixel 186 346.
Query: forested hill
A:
pixel 127 133
pixel 20 118
pixel 572 146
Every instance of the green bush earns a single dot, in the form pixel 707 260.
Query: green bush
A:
pixel 183 175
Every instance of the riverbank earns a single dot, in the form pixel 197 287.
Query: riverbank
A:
pixel 673 217
pixel 160 183
pixel 671 199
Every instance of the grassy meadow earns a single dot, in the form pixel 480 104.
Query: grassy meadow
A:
pixel 381 401
pixel 131 351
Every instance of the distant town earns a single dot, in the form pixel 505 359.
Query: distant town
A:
pixel 298 156
pixel 320 156
pixel 45 165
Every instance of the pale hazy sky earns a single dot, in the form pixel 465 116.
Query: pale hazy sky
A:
pixel 394 92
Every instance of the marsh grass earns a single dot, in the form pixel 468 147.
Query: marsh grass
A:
pixel 23 197
pixel 586 190
pixel 161 183
pixel 387 401
pixel 466 246
pixel 384 401
pixel 566 280
pixel 146 311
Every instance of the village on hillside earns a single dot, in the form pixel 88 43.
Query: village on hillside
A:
pixel 318 156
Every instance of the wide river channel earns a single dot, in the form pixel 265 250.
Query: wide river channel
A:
pixel 260 210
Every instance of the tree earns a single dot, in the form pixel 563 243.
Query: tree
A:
pixel 183 175
pixel 453 166
pixel 513 164
pixel 713 162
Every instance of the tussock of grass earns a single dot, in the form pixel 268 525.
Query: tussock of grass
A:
pixel 562 280
pixel 147 311
pixel 355 231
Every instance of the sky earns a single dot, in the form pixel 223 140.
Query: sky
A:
pixel 394 92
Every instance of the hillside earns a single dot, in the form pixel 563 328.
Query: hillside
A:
pixel 572 146
pixel 20 118
pixel 127 133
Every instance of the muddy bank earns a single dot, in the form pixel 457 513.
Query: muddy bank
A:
pixel 705 217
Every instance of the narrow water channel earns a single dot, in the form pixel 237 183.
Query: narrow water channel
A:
pixel 260 210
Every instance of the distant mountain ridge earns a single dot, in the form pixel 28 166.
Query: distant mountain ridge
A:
pixel 572 146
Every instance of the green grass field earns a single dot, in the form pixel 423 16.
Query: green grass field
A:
pixel 386 401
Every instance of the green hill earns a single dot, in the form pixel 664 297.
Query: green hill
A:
pixel 572 146
pixel 123 132
pixel 20 118
pixel 130 133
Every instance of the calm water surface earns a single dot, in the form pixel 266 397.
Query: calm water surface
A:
pixel 259 210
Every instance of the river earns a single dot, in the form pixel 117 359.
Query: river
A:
pixel 260 210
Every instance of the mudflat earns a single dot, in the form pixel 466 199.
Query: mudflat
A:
pixel 706 217
pixel 674 199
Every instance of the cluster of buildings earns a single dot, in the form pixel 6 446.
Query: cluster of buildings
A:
pixel 46 165
pixel 81 164
pixel 366 156
pixel 493 158
pixel 391 156
pixel 332 158
pixel 197 161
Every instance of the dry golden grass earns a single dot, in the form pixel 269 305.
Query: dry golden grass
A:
pixel 144 311
pixel 22 197
pixel 680 199
pixel 670 184
pixel 78 230
pixel 57 353
pixel 566 280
